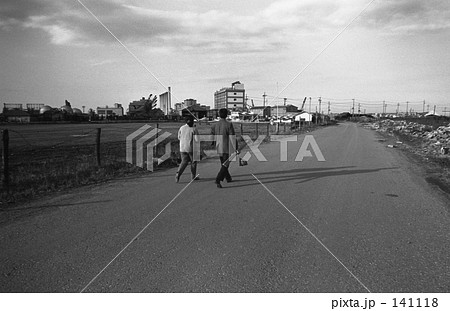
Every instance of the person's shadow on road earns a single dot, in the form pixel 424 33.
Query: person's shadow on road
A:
pixel 299 175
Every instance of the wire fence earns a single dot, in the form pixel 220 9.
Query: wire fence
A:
pixel 39 158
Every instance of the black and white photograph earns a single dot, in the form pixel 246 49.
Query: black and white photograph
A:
pixel 204 154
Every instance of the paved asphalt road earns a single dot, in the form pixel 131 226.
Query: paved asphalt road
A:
pixel 381 228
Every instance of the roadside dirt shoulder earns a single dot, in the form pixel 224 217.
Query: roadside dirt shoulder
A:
pixel 434 170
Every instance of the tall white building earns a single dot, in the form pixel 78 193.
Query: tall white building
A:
pixel 165 102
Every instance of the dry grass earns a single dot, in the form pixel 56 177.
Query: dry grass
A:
pixel 54 157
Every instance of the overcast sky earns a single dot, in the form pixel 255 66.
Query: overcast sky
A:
pixel 396 50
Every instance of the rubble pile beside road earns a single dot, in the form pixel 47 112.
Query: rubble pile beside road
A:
pixel 433 142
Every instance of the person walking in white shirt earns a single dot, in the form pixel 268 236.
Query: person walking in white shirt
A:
pixel 187 134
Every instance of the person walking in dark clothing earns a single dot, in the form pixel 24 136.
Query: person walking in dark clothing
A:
pixel 225 141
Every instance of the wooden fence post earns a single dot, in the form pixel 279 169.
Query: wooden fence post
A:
pixel 97 146
pixel 6 160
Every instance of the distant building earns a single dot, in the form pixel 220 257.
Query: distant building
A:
pixel 232 98
pixel 304 116
pixel 137 108
pixel 261 111
pixel 11 106
pixel 34 107
pixel 45 109
pixel 199 111
pixel 17 115
pixel 282 111
pixel 165 102
pixel 108 112
pixel 189 102
pixel 54 114
pixel 181 107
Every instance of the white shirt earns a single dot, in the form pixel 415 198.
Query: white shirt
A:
pixel 186 135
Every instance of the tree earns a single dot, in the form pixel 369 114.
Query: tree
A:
pixel 156 114
pixel 150 103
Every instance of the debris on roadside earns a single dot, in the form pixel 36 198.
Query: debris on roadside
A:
pixel 433 141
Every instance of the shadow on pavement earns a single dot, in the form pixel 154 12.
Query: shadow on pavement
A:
pixel 8 215
pixel 300 175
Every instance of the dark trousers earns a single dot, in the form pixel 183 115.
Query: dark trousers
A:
pixel 185 159
pixel 223 172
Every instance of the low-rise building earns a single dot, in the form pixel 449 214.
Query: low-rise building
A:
pixel 16 115
pixel 136 109
pixel 108 112
pixel 11 106
pixel 261 111
pixel 34 106
pixel 199 111
pixel 192 105
pixel 304 116
pixel 282 111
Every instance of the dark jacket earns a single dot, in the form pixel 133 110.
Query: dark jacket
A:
pixel 224 136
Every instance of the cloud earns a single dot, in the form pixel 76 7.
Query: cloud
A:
pixel 67 22
pixel 21 10
pixel 59 33
pixel 409 16
pixel 102 62
pixel 267 29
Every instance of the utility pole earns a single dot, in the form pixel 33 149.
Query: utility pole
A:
pixel 407 104
pixel 5 160
pixel 264 99
pixel 359 109
pixel 320 107
pixel 353 108
pixel 316 115
pixel 328 108
pixel 434 110
pixel 384 107
pixel 423 106
pixel 398 107
pixel 310 105
pixel 285 99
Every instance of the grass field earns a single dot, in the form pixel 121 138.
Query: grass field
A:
pixel 45 158
pixel 35 136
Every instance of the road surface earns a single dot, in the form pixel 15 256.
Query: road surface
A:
pixel 362 220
